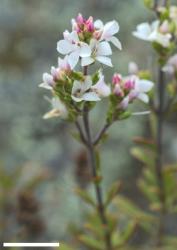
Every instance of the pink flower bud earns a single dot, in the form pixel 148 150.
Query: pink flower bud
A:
pixel 129 84
pixel 90 24
pixel 116 79
pixel 80 19
pixel 118 91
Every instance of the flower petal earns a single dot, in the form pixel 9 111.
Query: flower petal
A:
pixel 85 50
pixel 143 97
pixel 101 88
pixel 73 37
pixel 124 103
pixel 144 85
pixel 115 41
pixel 45 86
pixel 91 96
pixel 104 60
pixel 98 24
pixel 77 99
pixel 86 61
pixel 52 113
pixel 143 31
pixel 162 39
pixel 73 59
pixel 64 47
pixel 110 29
pixel 104 49
pixel 87 83
pixel 77 85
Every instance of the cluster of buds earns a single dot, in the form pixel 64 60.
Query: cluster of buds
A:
pixel 127 89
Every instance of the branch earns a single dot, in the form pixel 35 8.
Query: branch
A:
pixel 101 133
pixel 81 133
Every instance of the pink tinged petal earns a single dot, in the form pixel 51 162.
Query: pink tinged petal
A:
pixel 133 94
pixel 98 24
pixel 118 91
pixel 115 41
pixel 144 85
pixel 73 59
pixel 91 96
pixel 104 60
pixel 86 61
pixel 110 29
pixel 101 88
pixel 64 47
pixel 85 50
pixel 104 49
pixel 124 103
pixel 143 97
pixel 55 72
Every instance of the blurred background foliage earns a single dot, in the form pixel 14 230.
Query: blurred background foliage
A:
pixel 40 162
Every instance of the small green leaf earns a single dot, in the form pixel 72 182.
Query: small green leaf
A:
pixel 85 197
pixel 112 193
pixel 119 240
pixel 128 208
pixel 91 243
pixel 144 155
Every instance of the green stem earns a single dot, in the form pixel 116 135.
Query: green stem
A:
pixel 98 190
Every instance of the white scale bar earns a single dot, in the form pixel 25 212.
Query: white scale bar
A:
pixel 7 244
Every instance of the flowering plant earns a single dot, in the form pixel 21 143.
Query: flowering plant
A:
pixel 76 91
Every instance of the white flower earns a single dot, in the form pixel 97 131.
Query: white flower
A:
pixel 48 81
pixel 152 33
pixel 108 31
pixel 80 91
pixel 85 91
pixel 58 109
pixel 100 52
pixel 72 46
pixel 139 91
